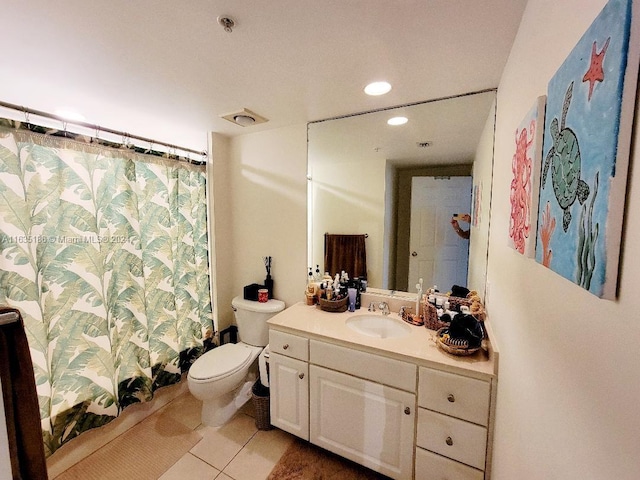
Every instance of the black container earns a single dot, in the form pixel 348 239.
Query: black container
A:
pixel 268 284
pixel 251 291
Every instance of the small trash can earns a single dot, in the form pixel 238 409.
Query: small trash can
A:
pixel 261 404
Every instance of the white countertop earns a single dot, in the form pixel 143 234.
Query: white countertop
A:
pixel 418 347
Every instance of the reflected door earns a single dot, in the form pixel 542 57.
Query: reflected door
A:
pixel 436 253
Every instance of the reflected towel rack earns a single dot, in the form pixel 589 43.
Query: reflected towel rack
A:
pixel 366 235
pixel 8 317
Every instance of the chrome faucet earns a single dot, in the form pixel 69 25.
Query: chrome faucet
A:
pixel 384 308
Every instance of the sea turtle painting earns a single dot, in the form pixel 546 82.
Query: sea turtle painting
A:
pixel 564 156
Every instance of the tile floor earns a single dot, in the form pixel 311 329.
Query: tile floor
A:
pixel 235 451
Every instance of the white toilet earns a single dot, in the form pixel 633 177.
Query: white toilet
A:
pixel 222 378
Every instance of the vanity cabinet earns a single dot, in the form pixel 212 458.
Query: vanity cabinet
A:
pixel 399 406
pixel 356 414
pixel 289 383
pixel 452 429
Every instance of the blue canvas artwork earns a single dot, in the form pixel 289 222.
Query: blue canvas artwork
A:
pixel 585 155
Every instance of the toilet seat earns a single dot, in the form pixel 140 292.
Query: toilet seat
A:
pixel 221 362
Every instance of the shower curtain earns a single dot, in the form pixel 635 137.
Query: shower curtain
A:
pixel 105 253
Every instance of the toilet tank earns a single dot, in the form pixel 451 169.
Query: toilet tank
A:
pixel 251 318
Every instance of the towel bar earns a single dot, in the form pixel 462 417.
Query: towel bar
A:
pixel 8 317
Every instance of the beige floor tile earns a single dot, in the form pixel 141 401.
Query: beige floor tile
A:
pixel 219 445
pixel 186 409
pixel 190 467
pixel 248 409
pixel 222 476
pixel 257 459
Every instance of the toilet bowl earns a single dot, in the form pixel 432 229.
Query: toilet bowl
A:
pixel 222 378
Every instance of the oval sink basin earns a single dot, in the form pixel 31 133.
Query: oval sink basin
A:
pixel 378 326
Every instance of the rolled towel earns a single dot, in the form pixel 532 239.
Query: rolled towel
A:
pixel 264 367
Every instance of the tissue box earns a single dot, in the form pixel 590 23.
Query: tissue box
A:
pixel 251 291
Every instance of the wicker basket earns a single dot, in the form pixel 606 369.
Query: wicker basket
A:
pixel 431 320
pixel 452 348
pixel 261 405
pixel 456 302
pixel 335 306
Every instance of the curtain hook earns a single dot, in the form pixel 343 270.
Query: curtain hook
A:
pixel 26 115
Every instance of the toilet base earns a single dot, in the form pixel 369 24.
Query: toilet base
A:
pixel 218 411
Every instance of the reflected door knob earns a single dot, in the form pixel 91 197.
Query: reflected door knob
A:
pixel 414 254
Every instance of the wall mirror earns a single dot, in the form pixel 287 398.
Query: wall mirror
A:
pixel 361 173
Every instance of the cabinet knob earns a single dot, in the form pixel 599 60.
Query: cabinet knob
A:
pixel 451 398
pixel 449 441
pixel 301 376
pixel 285 346
pixel 407 411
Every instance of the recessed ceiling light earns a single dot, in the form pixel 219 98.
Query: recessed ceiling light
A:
pixel 377 88
pixel 397 121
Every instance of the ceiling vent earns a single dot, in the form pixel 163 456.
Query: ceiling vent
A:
pixel 244 118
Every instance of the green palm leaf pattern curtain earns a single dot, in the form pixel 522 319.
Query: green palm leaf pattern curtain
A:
pixel 105 252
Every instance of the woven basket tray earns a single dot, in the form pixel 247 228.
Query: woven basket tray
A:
pixel 335 306
pixel 452 349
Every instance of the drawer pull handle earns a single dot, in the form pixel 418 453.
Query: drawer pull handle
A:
pixel 407 411
pixel 451 398
pixel 285 346
pixel 449 441
pixel 301 376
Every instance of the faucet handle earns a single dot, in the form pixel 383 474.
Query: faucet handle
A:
pixel 384 308
pixel 372 307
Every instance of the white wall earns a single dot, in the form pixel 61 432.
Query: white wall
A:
pixel 569 379
pixel 349 198
pixel 260 190
pixel 482 173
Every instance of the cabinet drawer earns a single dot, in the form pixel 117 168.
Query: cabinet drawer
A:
pixel 453 438
pixel 290 345
pixel 430 466
pixel 387 371
pixel 455 395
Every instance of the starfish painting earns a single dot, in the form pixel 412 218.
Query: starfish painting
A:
pixel 595 72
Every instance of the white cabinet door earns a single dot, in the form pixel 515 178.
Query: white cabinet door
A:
pixel 289 387
pixel 363 421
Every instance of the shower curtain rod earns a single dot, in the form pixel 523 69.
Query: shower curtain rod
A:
pixel 97 128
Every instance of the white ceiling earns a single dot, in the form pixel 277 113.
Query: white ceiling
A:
pixel 167 70
pixel 452 127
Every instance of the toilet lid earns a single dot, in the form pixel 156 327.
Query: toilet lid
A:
pixel 220 362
